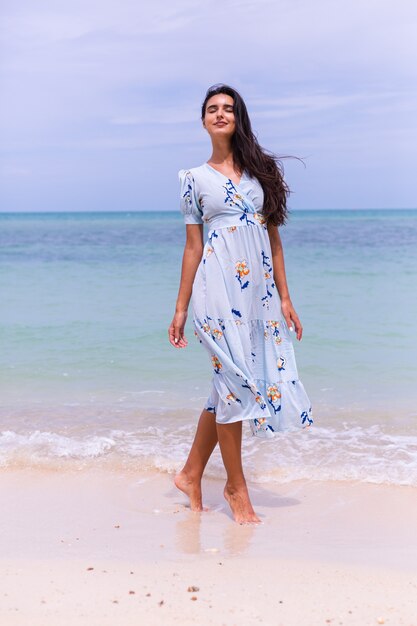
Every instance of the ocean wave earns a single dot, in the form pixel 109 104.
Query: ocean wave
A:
pixel 352 452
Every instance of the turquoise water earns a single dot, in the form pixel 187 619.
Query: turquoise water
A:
pixel 87 372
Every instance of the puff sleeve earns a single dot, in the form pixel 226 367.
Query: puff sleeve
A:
pixel 189 204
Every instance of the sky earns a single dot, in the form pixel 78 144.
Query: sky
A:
pixel 100 100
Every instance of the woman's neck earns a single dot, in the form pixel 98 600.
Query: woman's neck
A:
pixel 222 154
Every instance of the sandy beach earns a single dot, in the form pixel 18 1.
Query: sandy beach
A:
pixel 99 547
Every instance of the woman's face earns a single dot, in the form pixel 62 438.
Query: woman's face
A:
pixel 219 119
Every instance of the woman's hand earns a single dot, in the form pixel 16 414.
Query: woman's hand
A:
pixel 291 317
pixel 176 330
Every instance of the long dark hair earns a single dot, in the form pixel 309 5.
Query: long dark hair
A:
pixel 250 156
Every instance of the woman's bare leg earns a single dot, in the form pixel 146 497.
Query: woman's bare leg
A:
pixel 189 478
pixel 235 491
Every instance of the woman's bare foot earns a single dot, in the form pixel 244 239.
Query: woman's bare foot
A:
pixel 192 488
pixel 238 499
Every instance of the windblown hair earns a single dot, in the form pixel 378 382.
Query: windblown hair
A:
pixel 250 156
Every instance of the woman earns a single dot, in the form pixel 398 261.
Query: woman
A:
pixel 242 311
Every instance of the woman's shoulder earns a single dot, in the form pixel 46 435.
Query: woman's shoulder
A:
pixel 194 171
pixel 193 175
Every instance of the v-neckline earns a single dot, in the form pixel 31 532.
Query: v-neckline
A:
pixel 227 177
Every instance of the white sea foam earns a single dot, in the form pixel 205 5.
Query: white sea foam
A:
pixel 40 445
pixel 350 453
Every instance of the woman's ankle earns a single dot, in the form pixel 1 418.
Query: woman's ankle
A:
pixel 191 475
pixel 236 485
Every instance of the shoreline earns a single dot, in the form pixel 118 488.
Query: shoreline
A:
pixel 343 552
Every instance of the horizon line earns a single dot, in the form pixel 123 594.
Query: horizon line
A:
pixel 177 211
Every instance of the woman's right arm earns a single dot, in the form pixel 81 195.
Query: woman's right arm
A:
pixel 191 258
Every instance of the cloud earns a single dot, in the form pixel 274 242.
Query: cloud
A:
pixel 14 172
pixel 83 82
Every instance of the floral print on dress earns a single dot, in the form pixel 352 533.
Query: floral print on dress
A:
pixel 205 325
pixel 237 316
pixel 274 395
pixel 259 399
pixel 187 195
pixel 274 326
pixel 267 275
pixel 242 271
pixel 235 199
pixel 208 251
pixel 261 424
pixel 220 322
pixel 212 235
pixel 217 333
pixel 232 398
pixel 281 363
pixel 306 420
pixel 259 218
pixel 189 202
pixel 216 363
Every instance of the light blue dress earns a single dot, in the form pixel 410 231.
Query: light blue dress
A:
pixel 236 307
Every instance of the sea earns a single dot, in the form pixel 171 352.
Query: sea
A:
pixel 89 379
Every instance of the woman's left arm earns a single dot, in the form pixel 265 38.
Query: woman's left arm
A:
pixel 280 278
